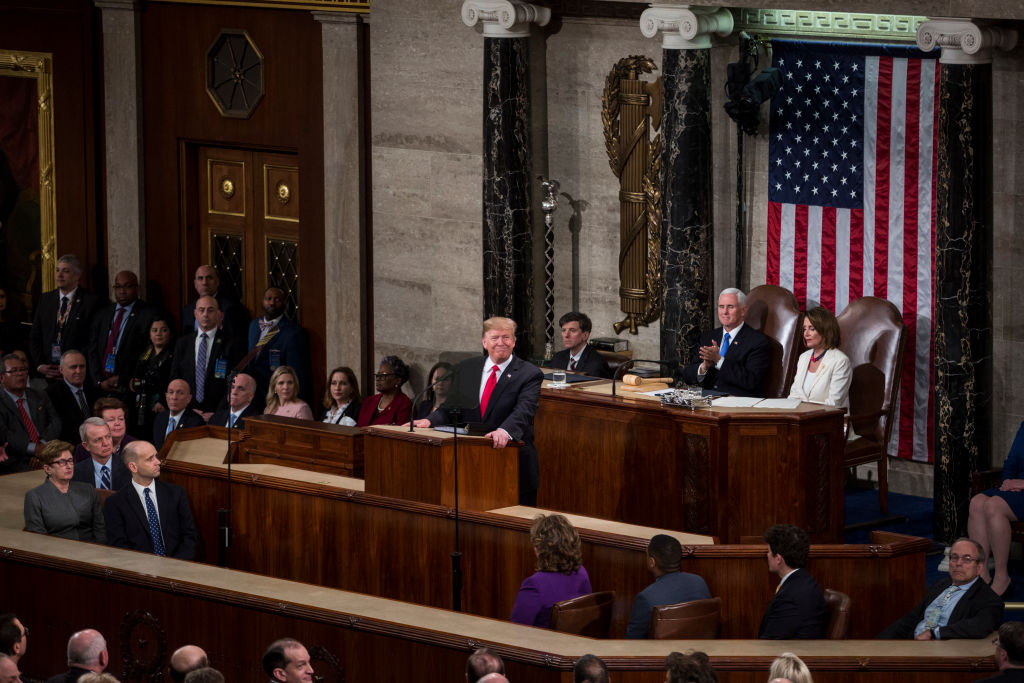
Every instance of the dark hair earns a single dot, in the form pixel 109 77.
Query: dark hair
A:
pixel 10 634
pixel 1011 640
pixel 430 396
pixel 590 669
pixel 206 674
pixel 106 403
pixel 666 551
pixel 397 366
pixel 53 450
pixel 350 375
pixel 482 662
pixel 977 546
pixel 557 543
pixel 576 317
pixel 274 657
pixel 826 325
pixel 789 541
pixel 694 667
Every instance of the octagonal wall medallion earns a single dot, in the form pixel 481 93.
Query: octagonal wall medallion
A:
pixel 234 74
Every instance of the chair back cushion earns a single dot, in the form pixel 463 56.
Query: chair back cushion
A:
pixel 587 615
pixel 694 619
pixel 838 614
pixel 774 311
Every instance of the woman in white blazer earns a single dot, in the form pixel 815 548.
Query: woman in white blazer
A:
pixel 823 372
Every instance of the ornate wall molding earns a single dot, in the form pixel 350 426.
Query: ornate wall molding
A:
pixel 685 28
pixel 888 27
pixel 357 6
pixel 964 41
pixel 504 18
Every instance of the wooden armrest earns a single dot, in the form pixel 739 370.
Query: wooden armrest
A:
pixel 985 479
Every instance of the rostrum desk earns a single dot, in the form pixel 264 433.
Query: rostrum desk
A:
pixel 725 472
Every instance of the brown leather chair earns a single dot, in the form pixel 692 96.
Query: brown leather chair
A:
pixel 697 619
pixel 775 312
pixel 588 615
pixel 873 336
pixel 838 614
pixel 103 494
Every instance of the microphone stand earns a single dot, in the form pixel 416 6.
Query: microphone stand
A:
pixel 457 554
pixel 419 397
pixel 224 514
pixel 633 361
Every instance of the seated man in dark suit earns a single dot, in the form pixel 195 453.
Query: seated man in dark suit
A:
pixel 179 414
pixel 149 515
pixel 62 319
pixel 27 417
pixel 577 355
pixel 273 341
pixel 500 391
pixel 87 651
pixel 798 610
pixel 205 357
pixel 240 404
pixel 670 585
pixel 961 606
pixel 72 398
pixel 734 358
pixel 1009 654
pixel 100 469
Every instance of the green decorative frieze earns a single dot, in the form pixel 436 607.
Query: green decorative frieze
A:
pixel 777 22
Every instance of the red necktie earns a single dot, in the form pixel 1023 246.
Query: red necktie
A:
pixel 33 435
pixel 572 364
pixel 488 390
pixel 115 332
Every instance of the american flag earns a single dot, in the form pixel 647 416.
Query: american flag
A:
pixel 851 197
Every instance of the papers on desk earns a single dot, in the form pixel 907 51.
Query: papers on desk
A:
pixel 745 402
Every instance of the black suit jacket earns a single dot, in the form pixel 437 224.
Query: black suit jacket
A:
pixel 128 525
pixel 798 610
pixel 66 405
pixel 745 368
pixel 134 341
pixel 977 614
pixel 120 475
pixel 70 676
pixel 76 327
pixel 291 346
pixel 188 419
pixel 220 418
pixel 43 416
pixel 512 406
pixel 236 317
pixel 591 363
pixel 184 367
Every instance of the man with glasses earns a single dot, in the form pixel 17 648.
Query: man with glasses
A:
pixel 961 606
pixel 1009 654
pixel 13 637
pixel 27 416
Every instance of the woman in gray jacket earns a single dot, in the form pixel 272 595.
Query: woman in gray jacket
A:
pixel 59 506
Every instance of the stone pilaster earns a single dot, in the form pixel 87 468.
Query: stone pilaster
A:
pixel 507 224
pixel 687 237
pixel 963 262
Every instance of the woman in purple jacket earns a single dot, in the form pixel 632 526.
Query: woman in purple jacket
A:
pixel 560 574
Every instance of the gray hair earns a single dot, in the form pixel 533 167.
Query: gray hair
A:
pixel 94 421
pixel 68 353
pixel 741 298
pixel 72 261
pixel 85 650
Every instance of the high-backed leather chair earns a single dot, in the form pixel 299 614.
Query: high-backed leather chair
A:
pixel 838 614
pixel 694 619
pixel 775 312
pixel 588 615
pixel 873 336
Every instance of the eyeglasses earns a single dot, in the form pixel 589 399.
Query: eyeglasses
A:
pixel 24 631
pixel 63 462
pixel 16 371
pixel 383 375
pixel 965 559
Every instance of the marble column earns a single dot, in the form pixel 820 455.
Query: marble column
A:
pixel 344 189
pixel 507 176
pixel 963 262
pixel 687 229
pixel 122 108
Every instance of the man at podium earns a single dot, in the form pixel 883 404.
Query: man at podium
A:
pixel 501 392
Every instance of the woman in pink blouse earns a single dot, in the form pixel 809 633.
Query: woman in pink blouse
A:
pixel 282 397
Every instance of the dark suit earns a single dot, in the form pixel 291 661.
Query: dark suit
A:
pixel 120 475
pixel 744 369
pixel 591 362
pixel 66 405
pixel 512 406
pixel 289 346
pixel 134 341
pixel 798 610
pixel 128 525
pixel 76 328
pixel 70 676
pixel 667 589
pixel 43 416
pixel 236 317
pixel 977 614
pixel 220 418
pixel 188 419
pixel 1008 676
pixel 184 367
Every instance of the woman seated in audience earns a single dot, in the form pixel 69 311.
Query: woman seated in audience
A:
pixel 151 377
pixel 560 574
pixel 389 406
pixel 991 512
pixel 436 394
pixel 823 372
pixel 283 395
pixel 341 398
pixel 59 506
pixel 789 667
pixel 694 667
pixel 112 411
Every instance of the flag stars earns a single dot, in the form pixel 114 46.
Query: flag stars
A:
pixel 834 192
pixel 778 187
pixel 814 191
pixel 817 64
pixel 797 189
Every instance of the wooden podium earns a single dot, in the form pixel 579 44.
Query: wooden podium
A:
pixel 420 466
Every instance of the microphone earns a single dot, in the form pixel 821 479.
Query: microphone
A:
pixel 419 397
pixel 670 364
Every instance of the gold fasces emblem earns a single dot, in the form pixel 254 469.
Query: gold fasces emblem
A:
pixel 227 188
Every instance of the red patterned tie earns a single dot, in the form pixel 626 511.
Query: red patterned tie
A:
pixel 33 435
pixel 572 364
pixel 488 390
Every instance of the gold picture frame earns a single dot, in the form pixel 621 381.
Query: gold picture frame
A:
pixel 39 66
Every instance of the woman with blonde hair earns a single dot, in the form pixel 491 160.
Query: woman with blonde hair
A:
pixel 560 574
pixel 283 395
pixel 789 667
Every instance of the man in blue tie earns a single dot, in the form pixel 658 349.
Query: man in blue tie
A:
pixel 962 606
pixel 734 358
pixel 240 403
pixel 100 469
pixel 150 515
pixel 178 414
